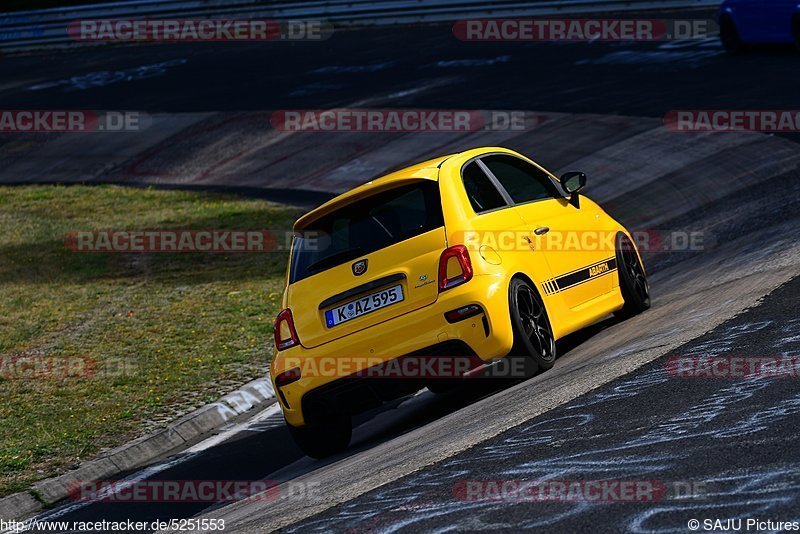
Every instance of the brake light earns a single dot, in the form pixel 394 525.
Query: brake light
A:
pixel 285 334
pixel 287 377
pixel 455 267
pixel 465 312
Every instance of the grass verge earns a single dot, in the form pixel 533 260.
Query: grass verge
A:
pixel 168 332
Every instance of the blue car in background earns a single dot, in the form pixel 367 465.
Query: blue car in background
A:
pixel 746 22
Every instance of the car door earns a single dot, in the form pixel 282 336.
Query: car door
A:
pixel 497 225
pixel 567 235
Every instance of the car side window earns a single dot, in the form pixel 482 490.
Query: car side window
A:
pixel 523 182
pixel 482 194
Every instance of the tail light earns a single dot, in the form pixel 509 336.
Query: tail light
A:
pixel 455 267
pixel 465 312
pixel 285 334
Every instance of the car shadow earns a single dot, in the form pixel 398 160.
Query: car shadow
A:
pixel 414 411
pixel 270 455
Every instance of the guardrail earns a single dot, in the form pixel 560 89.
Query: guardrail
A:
pixel 24 30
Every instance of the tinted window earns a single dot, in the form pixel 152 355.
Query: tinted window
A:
pixel 482 194
pixel 523 181
pixel 365 226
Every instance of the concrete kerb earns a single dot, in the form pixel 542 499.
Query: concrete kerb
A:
pixel 257 394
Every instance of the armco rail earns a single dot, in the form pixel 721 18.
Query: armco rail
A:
pixel 24 30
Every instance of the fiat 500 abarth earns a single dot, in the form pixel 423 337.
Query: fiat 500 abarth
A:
pixel 483 256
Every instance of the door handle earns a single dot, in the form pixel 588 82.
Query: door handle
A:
pixel 541 230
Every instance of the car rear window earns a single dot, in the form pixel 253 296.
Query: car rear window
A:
pixel 365 226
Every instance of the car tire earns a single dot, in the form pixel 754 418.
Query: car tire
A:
pixel 729 36
pixel 325 439
pixel 534 345
pixel 632 278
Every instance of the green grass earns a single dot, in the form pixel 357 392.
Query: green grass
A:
pixel 184 328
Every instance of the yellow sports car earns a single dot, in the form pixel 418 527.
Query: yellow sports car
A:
pixel 442 270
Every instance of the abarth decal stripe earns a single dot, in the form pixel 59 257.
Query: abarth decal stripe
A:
pixel 579 276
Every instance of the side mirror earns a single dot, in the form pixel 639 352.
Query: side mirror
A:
pixel 573 183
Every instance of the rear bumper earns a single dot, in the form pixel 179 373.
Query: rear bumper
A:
pixel 327 382
pixel 360 392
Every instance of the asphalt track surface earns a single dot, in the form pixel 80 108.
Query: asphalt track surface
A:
pixel 607 409
pixel 732 441
pixel 644 79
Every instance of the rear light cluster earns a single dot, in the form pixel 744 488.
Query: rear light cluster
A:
pixel 285 333
pixel 465 312
pixel 455 267
pixel 287 377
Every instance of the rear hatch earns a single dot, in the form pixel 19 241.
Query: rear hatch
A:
pixel 366 262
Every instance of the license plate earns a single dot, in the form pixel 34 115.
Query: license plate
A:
pixel 364 305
